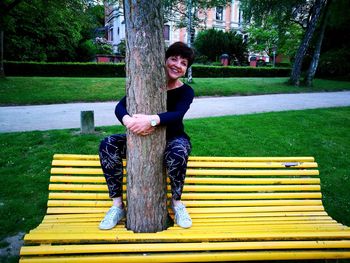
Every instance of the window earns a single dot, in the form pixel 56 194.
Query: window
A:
pixel 166 32
pixel 111 34
pixel 219 13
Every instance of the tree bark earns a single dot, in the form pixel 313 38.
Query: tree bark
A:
pixel 146 94
pixel 2 71
pixel 296 70
pixel 316 55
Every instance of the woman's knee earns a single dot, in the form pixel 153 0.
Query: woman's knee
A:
pixel 112 143
pixel 177 152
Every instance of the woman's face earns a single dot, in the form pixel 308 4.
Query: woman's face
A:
pixel 176 67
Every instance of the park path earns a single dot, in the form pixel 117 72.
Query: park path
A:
pixel 63 116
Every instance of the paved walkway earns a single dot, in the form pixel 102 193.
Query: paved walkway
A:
pixel 62 116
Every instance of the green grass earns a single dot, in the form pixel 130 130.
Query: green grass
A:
pixel 322 133
pixel 50 90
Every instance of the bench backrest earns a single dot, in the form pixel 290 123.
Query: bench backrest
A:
pixel 215 186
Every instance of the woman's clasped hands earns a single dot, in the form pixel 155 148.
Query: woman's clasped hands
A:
pixel 140 124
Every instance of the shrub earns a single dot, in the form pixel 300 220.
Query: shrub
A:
pixel 65 69
pixel 334 64
pixel 230 72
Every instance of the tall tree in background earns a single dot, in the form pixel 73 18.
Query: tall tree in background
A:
pixel 310 74
pixel 213 43
pixel 48 30
pixel 146 93
pixel 305 13
pixel 315 13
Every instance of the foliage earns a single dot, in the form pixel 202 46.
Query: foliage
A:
pixel 199 71
pixel 268 36
pixel 305 13
pixel 335 63
pixel 103 46
pixel 67 69
pixel 122 48
pixel 213 43
pixel 176 11
pixel 47 30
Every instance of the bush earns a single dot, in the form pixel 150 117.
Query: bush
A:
pixel 65 69
pixel 231 72
pixel 213 43
pixel 334 64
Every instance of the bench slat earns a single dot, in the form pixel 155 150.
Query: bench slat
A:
pixel 196 188
pixel 113 236
pixel 200 158
pixel 200 164
pixel 202 257
pixel 194 180
pixel 212 172
pixel 215 203
pixel 198 196
pixel 195 210
pixel 171 247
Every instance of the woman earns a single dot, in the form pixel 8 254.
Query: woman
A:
pixel 178 147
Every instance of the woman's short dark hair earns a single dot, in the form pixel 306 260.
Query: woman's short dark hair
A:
pixel 182 50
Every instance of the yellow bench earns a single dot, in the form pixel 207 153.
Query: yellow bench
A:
pixel 242 209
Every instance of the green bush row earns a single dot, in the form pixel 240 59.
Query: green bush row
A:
pixel 64 69
pixel 118 70
pixel 200 71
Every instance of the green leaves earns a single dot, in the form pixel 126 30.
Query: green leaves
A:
pixel 213 43
pixel 47 30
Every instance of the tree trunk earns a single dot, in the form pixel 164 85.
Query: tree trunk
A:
pixel 2 71
pixel 316 55
pixel 146 93
pixel 296 70
pixel 189 31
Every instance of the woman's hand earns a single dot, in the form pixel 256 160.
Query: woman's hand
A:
pixel 140 123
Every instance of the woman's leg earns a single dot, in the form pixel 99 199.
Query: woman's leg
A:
pixel 176 156
pixel 112 151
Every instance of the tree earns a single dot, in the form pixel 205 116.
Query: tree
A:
pixel 316 54
pixel 267 36
pixel 283 12
pixel 213 43
pixel 311 27
pixel 146 93
pixel 48 30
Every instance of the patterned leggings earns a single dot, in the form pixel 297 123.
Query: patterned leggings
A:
pixel 113 150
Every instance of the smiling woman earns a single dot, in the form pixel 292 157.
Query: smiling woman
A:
pixel 178 146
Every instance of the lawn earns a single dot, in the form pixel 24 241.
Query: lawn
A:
pixel 50 90
pixel 322 133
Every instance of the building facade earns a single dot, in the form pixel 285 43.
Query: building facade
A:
pixel 223 18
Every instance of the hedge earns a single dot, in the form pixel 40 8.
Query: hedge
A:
pixel 118 70
pixel 64 69
pixel 200 71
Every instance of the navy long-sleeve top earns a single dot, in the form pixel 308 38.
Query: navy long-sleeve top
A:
pixel 178 103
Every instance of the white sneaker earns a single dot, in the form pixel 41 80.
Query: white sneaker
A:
pixel 182 218
pixel 111 219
